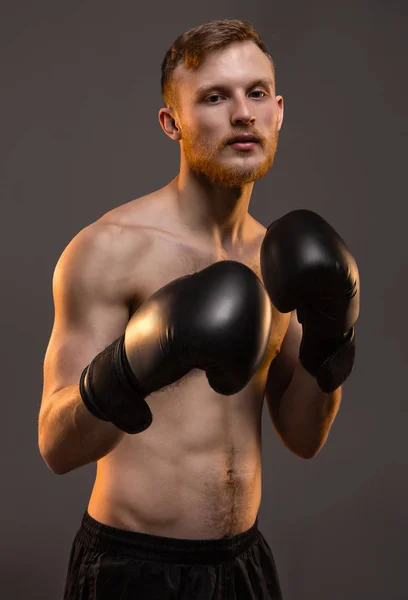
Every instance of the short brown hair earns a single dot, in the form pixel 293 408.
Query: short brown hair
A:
pixel 192 46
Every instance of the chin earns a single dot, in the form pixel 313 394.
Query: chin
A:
pixel 233 172
pixel 234 180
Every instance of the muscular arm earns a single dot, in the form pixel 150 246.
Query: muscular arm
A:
pixel 91 311
pixel 301 413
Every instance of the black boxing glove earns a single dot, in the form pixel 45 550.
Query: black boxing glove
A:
pixel 218 320
pixel 307 266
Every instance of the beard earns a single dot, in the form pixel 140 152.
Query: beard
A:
pixel 201 158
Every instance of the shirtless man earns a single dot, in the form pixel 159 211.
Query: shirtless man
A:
pixel 174 317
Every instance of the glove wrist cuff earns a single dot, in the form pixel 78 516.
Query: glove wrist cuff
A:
pixel 330 361
pixel 111 392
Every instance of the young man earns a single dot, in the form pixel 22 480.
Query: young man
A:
pixel 164 344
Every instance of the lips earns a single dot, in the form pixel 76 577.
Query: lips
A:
pixel 243 139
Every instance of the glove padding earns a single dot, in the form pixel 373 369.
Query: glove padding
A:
pixel 307 267
pixel 218 320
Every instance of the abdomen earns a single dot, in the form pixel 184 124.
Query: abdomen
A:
pixel 195 473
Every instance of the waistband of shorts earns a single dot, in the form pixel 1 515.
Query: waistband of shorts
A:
pixel 104 538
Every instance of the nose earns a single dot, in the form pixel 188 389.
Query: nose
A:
pixel 242 113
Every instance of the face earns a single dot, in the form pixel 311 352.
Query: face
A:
pixel 232 93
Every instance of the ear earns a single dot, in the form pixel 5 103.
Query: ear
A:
pixel 279 100
pixel 169 124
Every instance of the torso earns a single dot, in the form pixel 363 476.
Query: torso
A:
pixel 195 473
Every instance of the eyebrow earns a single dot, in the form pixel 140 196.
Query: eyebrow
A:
pixel 222 87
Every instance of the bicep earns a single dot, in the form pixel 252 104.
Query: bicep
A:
pixel 283 366
pixel 89 313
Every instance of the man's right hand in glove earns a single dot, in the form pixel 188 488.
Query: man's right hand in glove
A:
pixel 218 320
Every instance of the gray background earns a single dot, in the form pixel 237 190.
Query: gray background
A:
pixel 79 135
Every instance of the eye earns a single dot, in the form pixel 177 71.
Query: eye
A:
pixel 211 97
pixel 214 97
pixel 259 92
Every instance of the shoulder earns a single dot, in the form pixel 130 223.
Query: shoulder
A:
pixel 257 229
pixel 127 228
pixel 100 255
pixel 144 211
pixel 104 240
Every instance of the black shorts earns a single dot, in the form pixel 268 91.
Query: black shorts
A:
pixel 108 563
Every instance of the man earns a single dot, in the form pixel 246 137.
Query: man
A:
pixel 165 343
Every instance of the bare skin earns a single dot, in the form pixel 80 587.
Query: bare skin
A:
pixel 196 472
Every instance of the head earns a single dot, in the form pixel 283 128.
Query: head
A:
pixel 218 82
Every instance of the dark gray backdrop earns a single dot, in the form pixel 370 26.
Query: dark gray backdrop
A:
pixel 79 135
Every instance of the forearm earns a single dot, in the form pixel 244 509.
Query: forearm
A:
pixel 306 414
pixel 69 436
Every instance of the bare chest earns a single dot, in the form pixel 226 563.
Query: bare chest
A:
pixel 204 448
pixel 169 260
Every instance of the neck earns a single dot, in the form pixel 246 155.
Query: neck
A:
pixel 216 214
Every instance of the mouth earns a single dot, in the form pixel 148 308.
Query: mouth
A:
pixel 243 139
pixel 244 142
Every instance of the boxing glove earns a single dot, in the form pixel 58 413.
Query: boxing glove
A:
pixel 218 320
pixel 307 267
